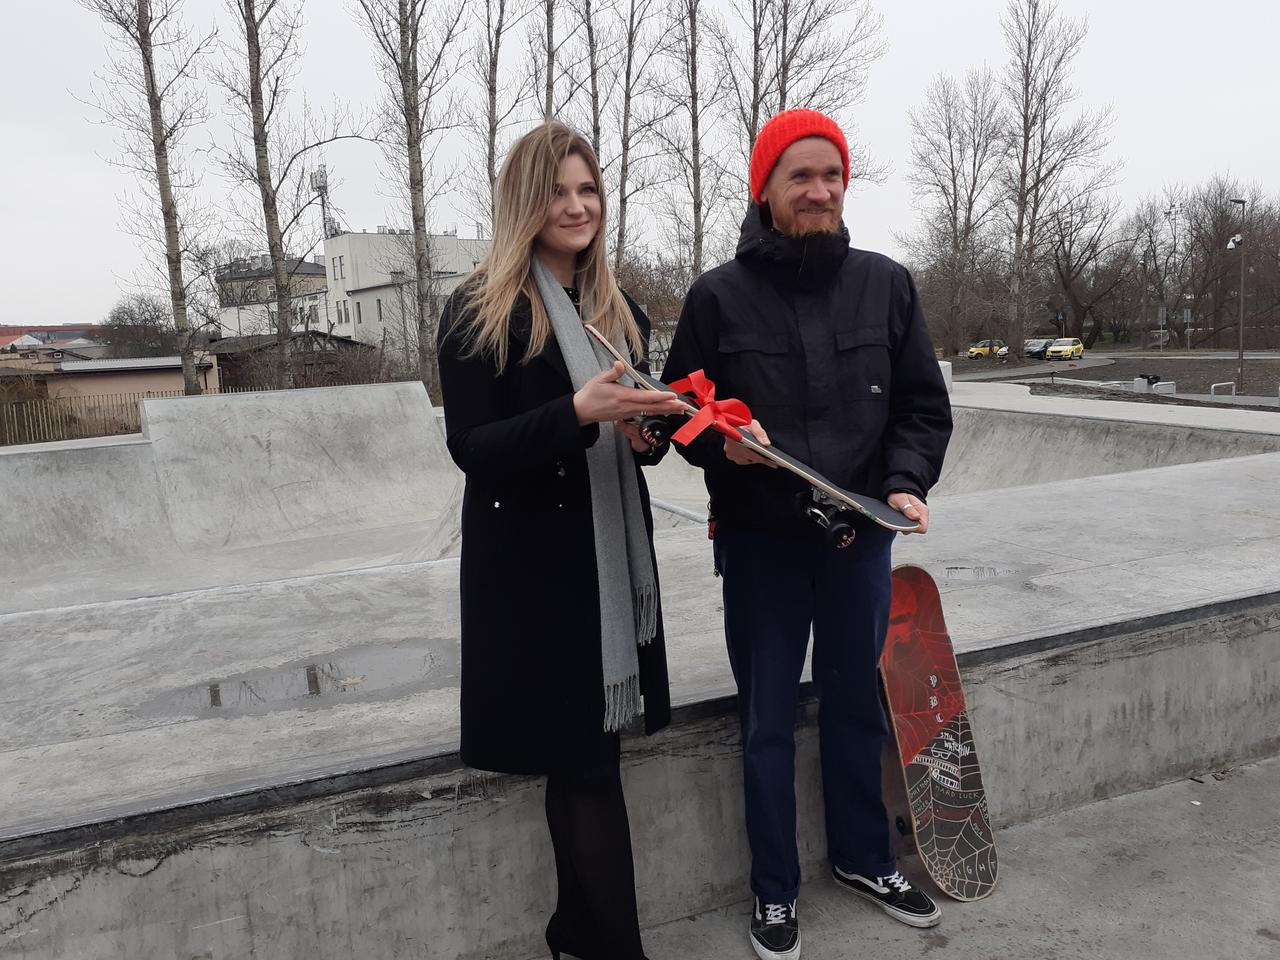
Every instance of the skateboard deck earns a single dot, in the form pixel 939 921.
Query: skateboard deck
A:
pixel 945 795
pixel 831 494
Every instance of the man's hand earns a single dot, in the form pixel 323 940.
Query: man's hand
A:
pixel 911 507
pixel 738 452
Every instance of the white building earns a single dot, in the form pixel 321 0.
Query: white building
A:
pixel 247 296
pixel 371 282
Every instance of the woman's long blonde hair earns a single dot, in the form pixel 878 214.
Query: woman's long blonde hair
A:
pixel 525 190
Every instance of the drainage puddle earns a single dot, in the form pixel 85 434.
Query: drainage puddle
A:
pixel 382 672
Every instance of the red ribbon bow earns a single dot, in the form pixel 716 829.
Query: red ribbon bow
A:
pixel 726 416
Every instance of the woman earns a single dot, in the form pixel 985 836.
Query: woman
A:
pixel 561 628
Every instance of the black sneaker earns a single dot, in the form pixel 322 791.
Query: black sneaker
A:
pixel 775 931
pixel 894 895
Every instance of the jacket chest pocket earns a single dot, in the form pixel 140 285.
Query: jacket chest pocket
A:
pixel 756 367
pixel 862 361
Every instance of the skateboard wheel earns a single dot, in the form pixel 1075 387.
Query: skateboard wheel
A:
pixel 901 823
pixel 655 430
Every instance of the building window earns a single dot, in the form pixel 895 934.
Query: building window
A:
pixel 342 268
pixel 359 319
pixel 334 267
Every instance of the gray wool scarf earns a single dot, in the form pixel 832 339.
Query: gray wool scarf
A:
pixel 624 568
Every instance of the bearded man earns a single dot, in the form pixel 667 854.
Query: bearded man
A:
pixel 828 347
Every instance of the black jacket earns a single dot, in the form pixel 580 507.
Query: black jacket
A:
pixel 829 349
pixel 532 687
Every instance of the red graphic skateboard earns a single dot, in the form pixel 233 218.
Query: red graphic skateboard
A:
pixel 945 795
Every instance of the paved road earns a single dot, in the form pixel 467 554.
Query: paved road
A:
pixel 969 370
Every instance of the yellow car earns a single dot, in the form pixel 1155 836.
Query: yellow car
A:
pixel 1068 348
pixel 985 348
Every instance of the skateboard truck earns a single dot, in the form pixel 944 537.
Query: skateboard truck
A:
pixel 835 519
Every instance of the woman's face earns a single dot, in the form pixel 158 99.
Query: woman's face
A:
pixel 574 215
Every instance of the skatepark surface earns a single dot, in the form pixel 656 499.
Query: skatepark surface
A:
pixel 260 594
pixel 1186 870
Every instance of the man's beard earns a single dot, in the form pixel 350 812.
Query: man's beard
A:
pixel 810 227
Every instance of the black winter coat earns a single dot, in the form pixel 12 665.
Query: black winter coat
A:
pixel 829 349
pixel 532 682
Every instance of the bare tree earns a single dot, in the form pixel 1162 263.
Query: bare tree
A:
pixel 141 325
pixel 501 102
pixel 748 78
pixel 151 96
pixel 955 163
pixel 692 92
pixel 774 55
pixel 1091 254
pixel 640 49
pixel 417 58
pixel 1043 143
pixel 272 153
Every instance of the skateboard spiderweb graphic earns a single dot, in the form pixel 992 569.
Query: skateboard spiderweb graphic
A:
pixel 935 742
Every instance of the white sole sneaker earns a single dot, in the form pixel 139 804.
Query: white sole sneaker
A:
pixel 764 953
pixel 910 919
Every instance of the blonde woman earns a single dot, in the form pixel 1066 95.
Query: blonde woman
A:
pixel 561 627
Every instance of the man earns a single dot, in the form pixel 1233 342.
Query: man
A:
pixel 828 348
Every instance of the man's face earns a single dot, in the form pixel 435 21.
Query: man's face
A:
pixel 805 191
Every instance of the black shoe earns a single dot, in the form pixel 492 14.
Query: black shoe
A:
pixel 775 931
pixel 894 895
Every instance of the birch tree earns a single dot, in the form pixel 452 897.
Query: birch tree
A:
pixel 501 102
pixel 151 95
pixel 417 54
pixel 273 151
pixel 692 92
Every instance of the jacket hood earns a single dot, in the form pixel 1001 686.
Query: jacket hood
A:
pixel 805 262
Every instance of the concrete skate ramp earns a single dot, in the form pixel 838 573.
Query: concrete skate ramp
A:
pixel 246 469
pixel 994 449
pixel 219 490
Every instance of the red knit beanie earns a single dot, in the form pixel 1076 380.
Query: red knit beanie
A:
pixel 784 130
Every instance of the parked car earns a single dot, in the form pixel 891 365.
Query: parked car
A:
pixel 1003 352
pixel 985 348
pixel 1035 349
pixel 1067 348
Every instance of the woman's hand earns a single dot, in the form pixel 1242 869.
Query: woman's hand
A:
pixel 603 399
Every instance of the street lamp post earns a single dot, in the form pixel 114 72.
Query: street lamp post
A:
pixel 1239 241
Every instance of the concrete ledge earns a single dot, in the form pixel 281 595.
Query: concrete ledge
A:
pixel 313 867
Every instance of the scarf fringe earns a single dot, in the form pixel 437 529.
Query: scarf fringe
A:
pixel 644 600
pixel 621 703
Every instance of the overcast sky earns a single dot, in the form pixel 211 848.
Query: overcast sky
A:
pixel 1194 86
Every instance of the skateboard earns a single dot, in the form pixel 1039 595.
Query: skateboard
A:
pixel 827 504
pixel 945 795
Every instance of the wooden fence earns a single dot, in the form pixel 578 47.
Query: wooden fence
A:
pixel 75 418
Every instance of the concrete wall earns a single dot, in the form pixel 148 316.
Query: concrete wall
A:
pixel 219 472
pixel 458 865
pixel 992 449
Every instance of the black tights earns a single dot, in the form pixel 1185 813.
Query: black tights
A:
pixel 595 913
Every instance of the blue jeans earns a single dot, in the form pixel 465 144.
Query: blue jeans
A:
pixel 774 591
